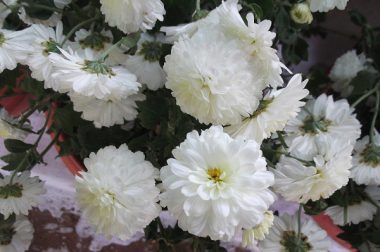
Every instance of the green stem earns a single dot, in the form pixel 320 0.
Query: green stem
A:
pixel 6 5
pixel 282 140
pixel 104 55
pixel 43 7
pixel 198 6
pixel 77 27
pixel 36 107
pixel 42 130
pixel 288 155
pixel 363 97
pixel 375 115
pixel 42 154
pixel 299 222
pixel 17 169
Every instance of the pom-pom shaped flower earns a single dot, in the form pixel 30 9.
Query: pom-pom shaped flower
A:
pixel 327 5
pixel 283 236
pixel 274 111
pixel 301 14
pixel 118 194
pixel 21 195
pixel 18 236
pixel 216 186
pixel 132 15
pixel 321 118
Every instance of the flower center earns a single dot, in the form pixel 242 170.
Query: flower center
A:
pixel 97 67
pixel 291 242
pixel 371 155
pixel 11 190
pixel 6 235
pixel 312 126
pixel 151 50
pixel 263 105
pixel 2 38
pixel 215 174
pixel 95 41
pixel 50 46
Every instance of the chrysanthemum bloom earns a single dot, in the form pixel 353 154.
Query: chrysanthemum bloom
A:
pixel 145 64
pixel 301 14
pixel 366 161
pixel 118 194
pixel 211 79
pixel 259 232
pixel 327 5
pixel 6 128
pixel 106 113
pixel 327 172
pixel 345 68
pixel 13 48
pixel 45 41
pixel 216 186
pixel 18 237
pixel 86 75
pixel 274 111
pixel 132 15
pixel 283 236
pixel 320 119
pixel 21 195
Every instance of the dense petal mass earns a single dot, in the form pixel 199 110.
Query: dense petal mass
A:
pixel 216 186
pixel 327 5
pixel 118 194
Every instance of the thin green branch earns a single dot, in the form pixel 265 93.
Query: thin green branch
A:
pixel 77 27
pixel 375 115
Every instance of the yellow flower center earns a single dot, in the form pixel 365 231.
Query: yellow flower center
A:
pixel 215 174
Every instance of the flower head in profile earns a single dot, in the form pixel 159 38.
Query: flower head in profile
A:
pixel 327 5
pixel 88 76
pixel 216 186
pixel 301 14
pixel 118 193
pixel 259 232
pixel 132 15
pixel 283 236
pixel 275 110
pixel 320 119
pixel 18 236
pixel 21 195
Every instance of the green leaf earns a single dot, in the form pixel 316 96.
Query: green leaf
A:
pixel 16 146
pixel 21 161
pixel 357 18
pixel 364 81
pixel 35 11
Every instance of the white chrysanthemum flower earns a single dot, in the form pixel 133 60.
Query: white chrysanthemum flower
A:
pixel 356 213
pixel 327 5
pixel 106 113
pixel 18 237
pixel 274 111
pixel 366 161
pixel 14 48
pixel 345 68
pixel 321 118
pixel 45 41
pixel 20 196
pixel 283 236
pixel 132 15
pixel 118 194
pixel 89 77
pixel 211 79
pixel 145 64
pixel 52 21
pixel 259 232
pixel 216 186
pixel 328 172
pixel 6 128
pixel 301 14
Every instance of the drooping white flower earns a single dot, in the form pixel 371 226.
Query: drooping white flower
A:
pixel 274 111
pixel 259 232
pixel 356 213
pixel 283 236
pixel 45 41
pixel 301 14
pixel 145 64
pixel 211 79
pixel 216 186
pixel 321 118
pixel 366 161
pixel 132 15
pixel 106 113
pixel 20 196
pixel 327 5
pixel 86 75
pixel 7 130
pixel 18 237
pixel 117 194
pixel 328 172
pixel 345 68
pixel 14 48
